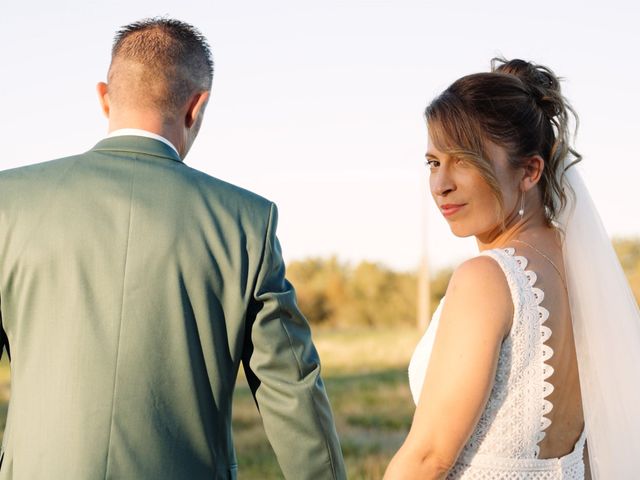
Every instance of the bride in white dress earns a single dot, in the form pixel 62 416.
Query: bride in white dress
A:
pixel 519 376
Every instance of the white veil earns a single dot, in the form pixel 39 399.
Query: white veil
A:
pixel 606 325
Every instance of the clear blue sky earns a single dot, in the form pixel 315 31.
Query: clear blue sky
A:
pixel 318 105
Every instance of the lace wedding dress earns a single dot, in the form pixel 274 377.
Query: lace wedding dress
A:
pixel 504 444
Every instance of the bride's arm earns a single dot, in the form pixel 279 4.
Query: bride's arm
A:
pixel 476 317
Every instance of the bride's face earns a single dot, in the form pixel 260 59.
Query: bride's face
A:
pixel 463 196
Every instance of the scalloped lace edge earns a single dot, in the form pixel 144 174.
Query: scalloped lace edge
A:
pixel 547 351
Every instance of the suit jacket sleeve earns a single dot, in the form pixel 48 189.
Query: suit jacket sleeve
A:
pixel 283 371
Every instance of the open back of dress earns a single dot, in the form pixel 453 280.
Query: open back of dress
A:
pixel 506 441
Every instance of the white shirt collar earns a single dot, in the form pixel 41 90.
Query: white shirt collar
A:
pixel 141 133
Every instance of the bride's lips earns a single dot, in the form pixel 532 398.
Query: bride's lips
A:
pixel 449 209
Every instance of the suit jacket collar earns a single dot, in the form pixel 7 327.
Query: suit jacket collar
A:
pixel 137 144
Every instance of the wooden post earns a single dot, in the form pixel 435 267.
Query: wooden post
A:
pixel 424 278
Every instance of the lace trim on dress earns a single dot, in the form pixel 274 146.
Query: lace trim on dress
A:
pixel 546 350
pixel 532 464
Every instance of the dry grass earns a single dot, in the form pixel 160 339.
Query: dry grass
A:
pixel 359 350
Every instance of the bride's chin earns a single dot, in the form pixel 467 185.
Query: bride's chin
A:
pixel 460 232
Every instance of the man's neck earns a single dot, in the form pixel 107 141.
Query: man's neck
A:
pixel 150 122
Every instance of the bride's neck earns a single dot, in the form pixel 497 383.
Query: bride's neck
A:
pixel 530 228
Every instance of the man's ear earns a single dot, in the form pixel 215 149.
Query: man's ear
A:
pixel 103 95
pixel 197 105
pixel 533 168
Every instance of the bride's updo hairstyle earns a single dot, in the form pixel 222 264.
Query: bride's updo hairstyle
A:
pixel 518 106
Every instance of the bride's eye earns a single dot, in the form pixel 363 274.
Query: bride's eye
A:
pixel 431 164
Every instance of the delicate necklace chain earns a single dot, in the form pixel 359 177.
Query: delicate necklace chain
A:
pixel 550 261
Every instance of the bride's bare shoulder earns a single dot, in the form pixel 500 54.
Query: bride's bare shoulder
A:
pixel 480 273
pixel 478 289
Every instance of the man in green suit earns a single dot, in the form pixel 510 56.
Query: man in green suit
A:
pixel 132 286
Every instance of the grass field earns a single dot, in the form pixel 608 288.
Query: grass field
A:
pixel 365 372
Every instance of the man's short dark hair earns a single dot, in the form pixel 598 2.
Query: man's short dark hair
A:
pixel 159 63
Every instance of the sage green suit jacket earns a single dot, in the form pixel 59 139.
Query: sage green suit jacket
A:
pixel 131 288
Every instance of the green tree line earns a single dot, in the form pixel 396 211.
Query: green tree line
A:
pixel 336 293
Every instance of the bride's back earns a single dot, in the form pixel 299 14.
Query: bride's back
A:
pixel 566 415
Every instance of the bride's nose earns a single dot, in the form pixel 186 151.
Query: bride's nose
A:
pixel 441 183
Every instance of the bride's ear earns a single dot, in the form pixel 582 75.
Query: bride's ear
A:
pixel 533 168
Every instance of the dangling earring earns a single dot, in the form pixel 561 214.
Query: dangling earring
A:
pixel 521 211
